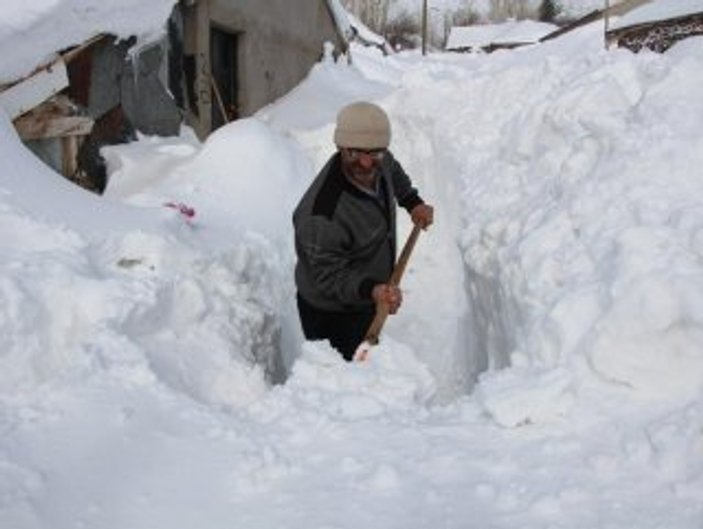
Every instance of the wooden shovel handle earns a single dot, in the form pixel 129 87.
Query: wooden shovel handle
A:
pixel 381 308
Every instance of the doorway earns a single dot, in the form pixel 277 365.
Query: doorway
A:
pixel 223 65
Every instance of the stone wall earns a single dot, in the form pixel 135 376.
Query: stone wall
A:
pixel 658 36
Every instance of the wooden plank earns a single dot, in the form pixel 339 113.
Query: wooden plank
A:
pixel 69 152
pixel 34 127
pixel 34 90
pixel 218 97
pixel 73 53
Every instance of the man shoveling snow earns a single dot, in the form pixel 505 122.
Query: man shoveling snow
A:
pixel 345 231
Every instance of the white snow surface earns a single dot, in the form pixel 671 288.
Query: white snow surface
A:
pixel 545 370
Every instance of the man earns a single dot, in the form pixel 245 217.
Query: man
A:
pixel 345 231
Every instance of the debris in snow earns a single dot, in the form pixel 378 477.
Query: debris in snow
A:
pixel 187 212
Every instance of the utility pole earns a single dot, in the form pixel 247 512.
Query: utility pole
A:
pixel 424 27
pixel 606 22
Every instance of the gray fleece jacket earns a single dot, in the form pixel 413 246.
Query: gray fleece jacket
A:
pixel 345 239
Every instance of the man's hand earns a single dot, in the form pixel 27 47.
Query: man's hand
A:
pixel 422 215
pixel 388 295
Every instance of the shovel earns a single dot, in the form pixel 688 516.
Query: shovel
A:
pixel 371 338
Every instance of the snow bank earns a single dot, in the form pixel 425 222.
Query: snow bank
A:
pixel 243 170
pixel 143 307
pixel 150 298
pixel 242 184
pixel 582 230
pixel 244 177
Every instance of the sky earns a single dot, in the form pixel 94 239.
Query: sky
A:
pixel 545 370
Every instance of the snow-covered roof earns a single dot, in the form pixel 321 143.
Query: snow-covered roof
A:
pixel 513 31
pixel 341 18
pixel 35 30
pixel 364 33
pixel 657 10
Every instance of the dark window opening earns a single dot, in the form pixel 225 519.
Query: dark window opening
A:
pixel 223 65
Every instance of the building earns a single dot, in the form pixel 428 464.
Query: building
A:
pixel 237 56
pixel 490 37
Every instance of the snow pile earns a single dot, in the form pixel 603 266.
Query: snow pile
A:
pixel 582 228
pixel 143 293
pixel 242 185
pixel 245 177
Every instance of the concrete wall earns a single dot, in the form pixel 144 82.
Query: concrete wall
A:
pixel 278 42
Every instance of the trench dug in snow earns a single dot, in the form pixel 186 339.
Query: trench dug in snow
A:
pixel 451 315
pixel 453 319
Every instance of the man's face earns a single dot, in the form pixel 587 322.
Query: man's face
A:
pixel 360 165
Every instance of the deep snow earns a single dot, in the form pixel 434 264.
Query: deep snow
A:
pixel 137 344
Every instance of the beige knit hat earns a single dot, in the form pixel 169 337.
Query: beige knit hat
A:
pixel 362 125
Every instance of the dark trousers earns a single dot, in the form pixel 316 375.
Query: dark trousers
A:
pixel 344 329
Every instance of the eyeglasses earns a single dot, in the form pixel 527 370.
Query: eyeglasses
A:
pixel 376 154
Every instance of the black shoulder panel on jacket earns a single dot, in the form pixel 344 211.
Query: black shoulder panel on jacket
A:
pixel 331 189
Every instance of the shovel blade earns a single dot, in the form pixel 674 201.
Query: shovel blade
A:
pixel 362 352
